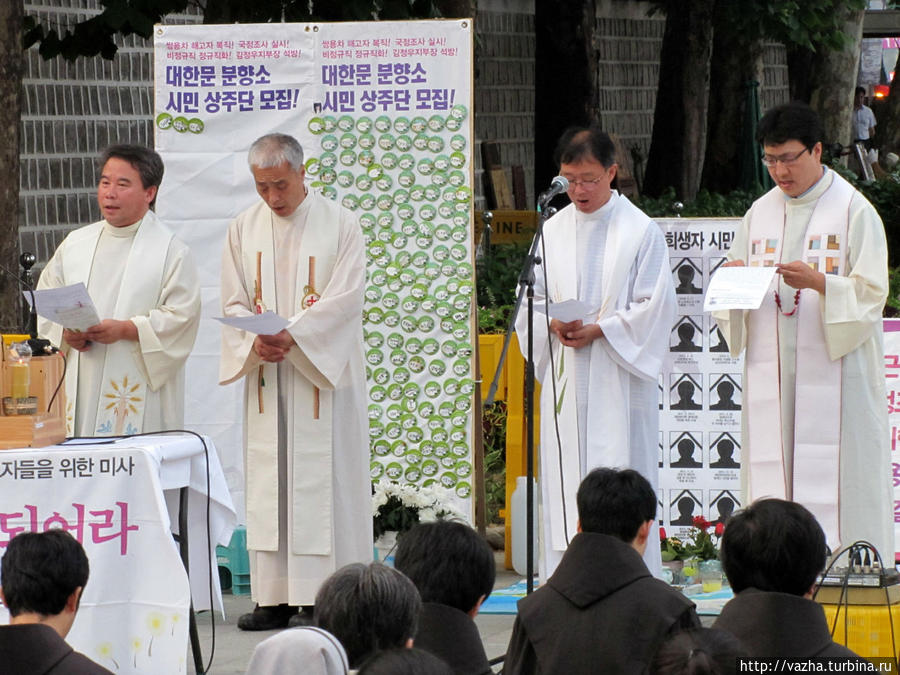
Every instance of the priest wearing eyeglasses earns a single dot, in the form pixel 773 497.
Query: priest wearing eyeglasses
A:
pixel 814 421
pixel 605 252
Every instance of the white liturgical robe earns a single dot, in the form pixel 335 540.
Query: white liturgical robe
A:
pixel 306 462
pixel 606 396
pixel 142 273
pixel 849 494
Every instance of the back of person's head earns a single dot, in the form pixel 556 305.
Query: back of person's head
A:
pixel 405 662
pixel 579 144
pixel 615 502
pixel 145 161
pixel 274 150
pixel 310 649
pixel 449 562
pixel 773 545
pixel 702 651
pixel 368 608
pixel 41 570
pixel 791 121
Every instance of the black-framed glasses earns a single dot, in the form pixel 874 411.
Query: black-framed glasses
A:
pixel 769 161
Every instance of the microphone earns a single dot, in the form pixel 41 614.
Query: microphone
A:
pixel 38 346
pixel 557 186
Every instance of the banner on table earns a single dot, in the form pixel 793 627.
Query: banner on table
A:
pixel 384 113
pixel 133 616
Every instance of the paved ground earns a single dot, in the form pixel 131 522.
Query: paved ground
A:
pixel 233 647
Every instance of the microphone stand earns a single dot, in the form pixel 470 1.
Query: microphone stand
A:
pixel 39 347
pixel 526 290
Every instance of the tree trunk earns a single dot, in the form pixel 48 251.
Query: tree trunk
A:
pixel 565 77
pixel 679 122
pixel 736 59
pixel 12 68
pixel 800 64
pixel 834 74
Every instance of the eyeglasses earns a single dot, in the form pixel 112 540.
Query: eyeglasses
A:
pixel 586 184
pixel 786 160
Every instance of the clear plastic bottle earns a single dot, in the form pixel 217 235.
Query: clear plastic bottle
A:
pixel 519 518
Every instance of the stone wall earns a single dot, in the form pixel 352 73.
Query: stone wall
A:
pixel 504 86
pixel 70 112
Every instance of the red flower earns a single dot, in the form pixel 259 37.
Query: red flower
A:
pixel 720 529
pixel 701 523
pixel 662 534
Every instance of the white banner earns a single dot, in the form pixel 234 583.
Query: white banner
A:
pixel 700 387
pixel 134 610
pixel 384 113
pixel 892 385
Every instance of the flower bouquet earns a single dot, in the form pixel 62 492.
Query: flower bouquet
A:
pixel 396 507
pixel 693 549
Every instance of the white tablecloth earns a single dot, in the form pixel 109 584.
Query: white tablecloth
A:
pixel 121 499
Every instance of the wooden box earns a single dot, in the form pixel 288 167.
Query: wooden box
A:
pixel 47 427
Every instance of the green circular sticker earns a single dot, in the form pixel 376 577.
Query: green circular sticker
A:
pixel 418 124
pixel 377 394
pixel 463 490
pixel 401 125
pixel 394 470
pixel 448 478
pixel 430 467
pixel 376 470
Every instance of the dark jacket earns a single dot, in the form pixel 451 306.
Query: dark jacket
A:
pixel 600 612
pixel 36 649
pixel 779 625
pixel 452 636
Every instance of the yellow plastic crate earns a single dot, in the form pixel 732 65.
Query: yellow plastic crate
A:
pixel 868 628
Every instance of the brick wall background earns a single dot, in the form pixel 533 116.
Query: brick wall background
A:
pixel 72 110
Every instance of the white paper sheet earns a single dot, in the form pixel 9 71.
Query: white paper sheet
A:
pixel 570 310
pixel 737 288
pixel 267 323
pixel 69 306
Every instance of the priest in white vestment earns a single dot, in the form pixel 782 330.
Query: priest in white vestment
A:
pixel 126 374
pixel 598 373
pixel 814 422
pixel 306 465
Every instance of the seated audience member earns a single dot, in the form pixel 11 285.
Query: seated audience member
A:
pixel 601 610
pixel 703 651
pixel 311 649
pixel 368 608
pixel 43 576
pixel 405 662
pixel 772 552
pixel 453 568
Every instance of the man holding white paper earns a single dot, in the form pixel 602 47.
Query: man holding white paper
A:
pixel 814 421
pixel 125 374
pixel 308 493
pixel 604 252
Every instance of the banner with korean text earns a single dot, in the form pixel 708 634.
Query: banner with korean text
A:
pixel 892 385
pixel 700 387
pixel 133 616
pixel 383 111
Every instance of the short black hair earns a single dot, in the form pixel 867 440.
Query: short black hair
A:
pixel 145 161
pixel 368 608
pixel 773 545
pixel 700 651
pixel 581 143
pixel 793 121
pixel 859 90
pixel 41 570
pixel 449 562
pixel 615 502
pixel 405 662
